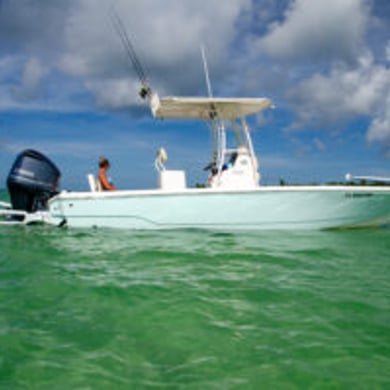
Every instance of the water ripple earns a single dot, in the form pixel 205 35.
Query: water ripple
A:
pixel 193 309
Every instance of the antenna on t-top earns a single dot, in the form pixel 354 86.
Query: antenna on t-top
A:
pixel 213 115
pixel 206 70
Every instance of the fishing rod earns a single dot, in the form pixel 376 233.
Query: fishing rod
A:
pixel 118 25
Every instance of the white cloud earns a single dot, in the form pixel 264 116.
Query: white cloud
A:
pixel 351 84
pixel 318 30
pixel 167 40
pixel 33 73
pixel 388 51
pixel 8 64
pixel 379 130
pixel 325 100
pixel 115 94
pixel 79 41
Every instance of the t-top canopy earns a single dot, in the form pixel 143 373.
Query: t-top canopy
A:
pixel 206 108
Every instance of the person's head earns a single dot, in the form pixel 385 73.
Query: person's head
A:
pixel 103 162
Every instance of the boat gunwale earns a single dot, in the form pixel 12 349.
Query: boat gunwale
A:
pixel 65 195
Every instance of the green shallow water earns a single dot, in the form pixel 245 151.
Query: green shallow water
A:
pixel 105 309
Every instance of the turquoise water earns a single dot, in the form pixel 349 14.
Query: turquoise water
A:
pixel 105 309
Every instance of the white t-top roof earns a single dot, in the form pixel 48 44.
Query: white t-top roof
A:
pixel 207 108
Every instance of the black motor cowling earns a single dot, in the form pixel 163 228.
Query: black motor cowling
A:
pixel 33 179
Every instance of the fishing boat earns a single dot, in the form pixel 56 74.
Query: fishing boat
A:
pixel 233 198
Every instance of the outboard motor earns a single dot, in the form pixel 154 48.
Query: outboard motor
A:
pixel 33 179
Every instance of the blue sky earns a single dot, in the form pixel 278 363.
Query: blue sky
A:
pixel 67 90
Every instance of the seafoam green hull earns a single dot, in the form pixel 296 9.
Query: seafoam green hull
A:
pixel 264 208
